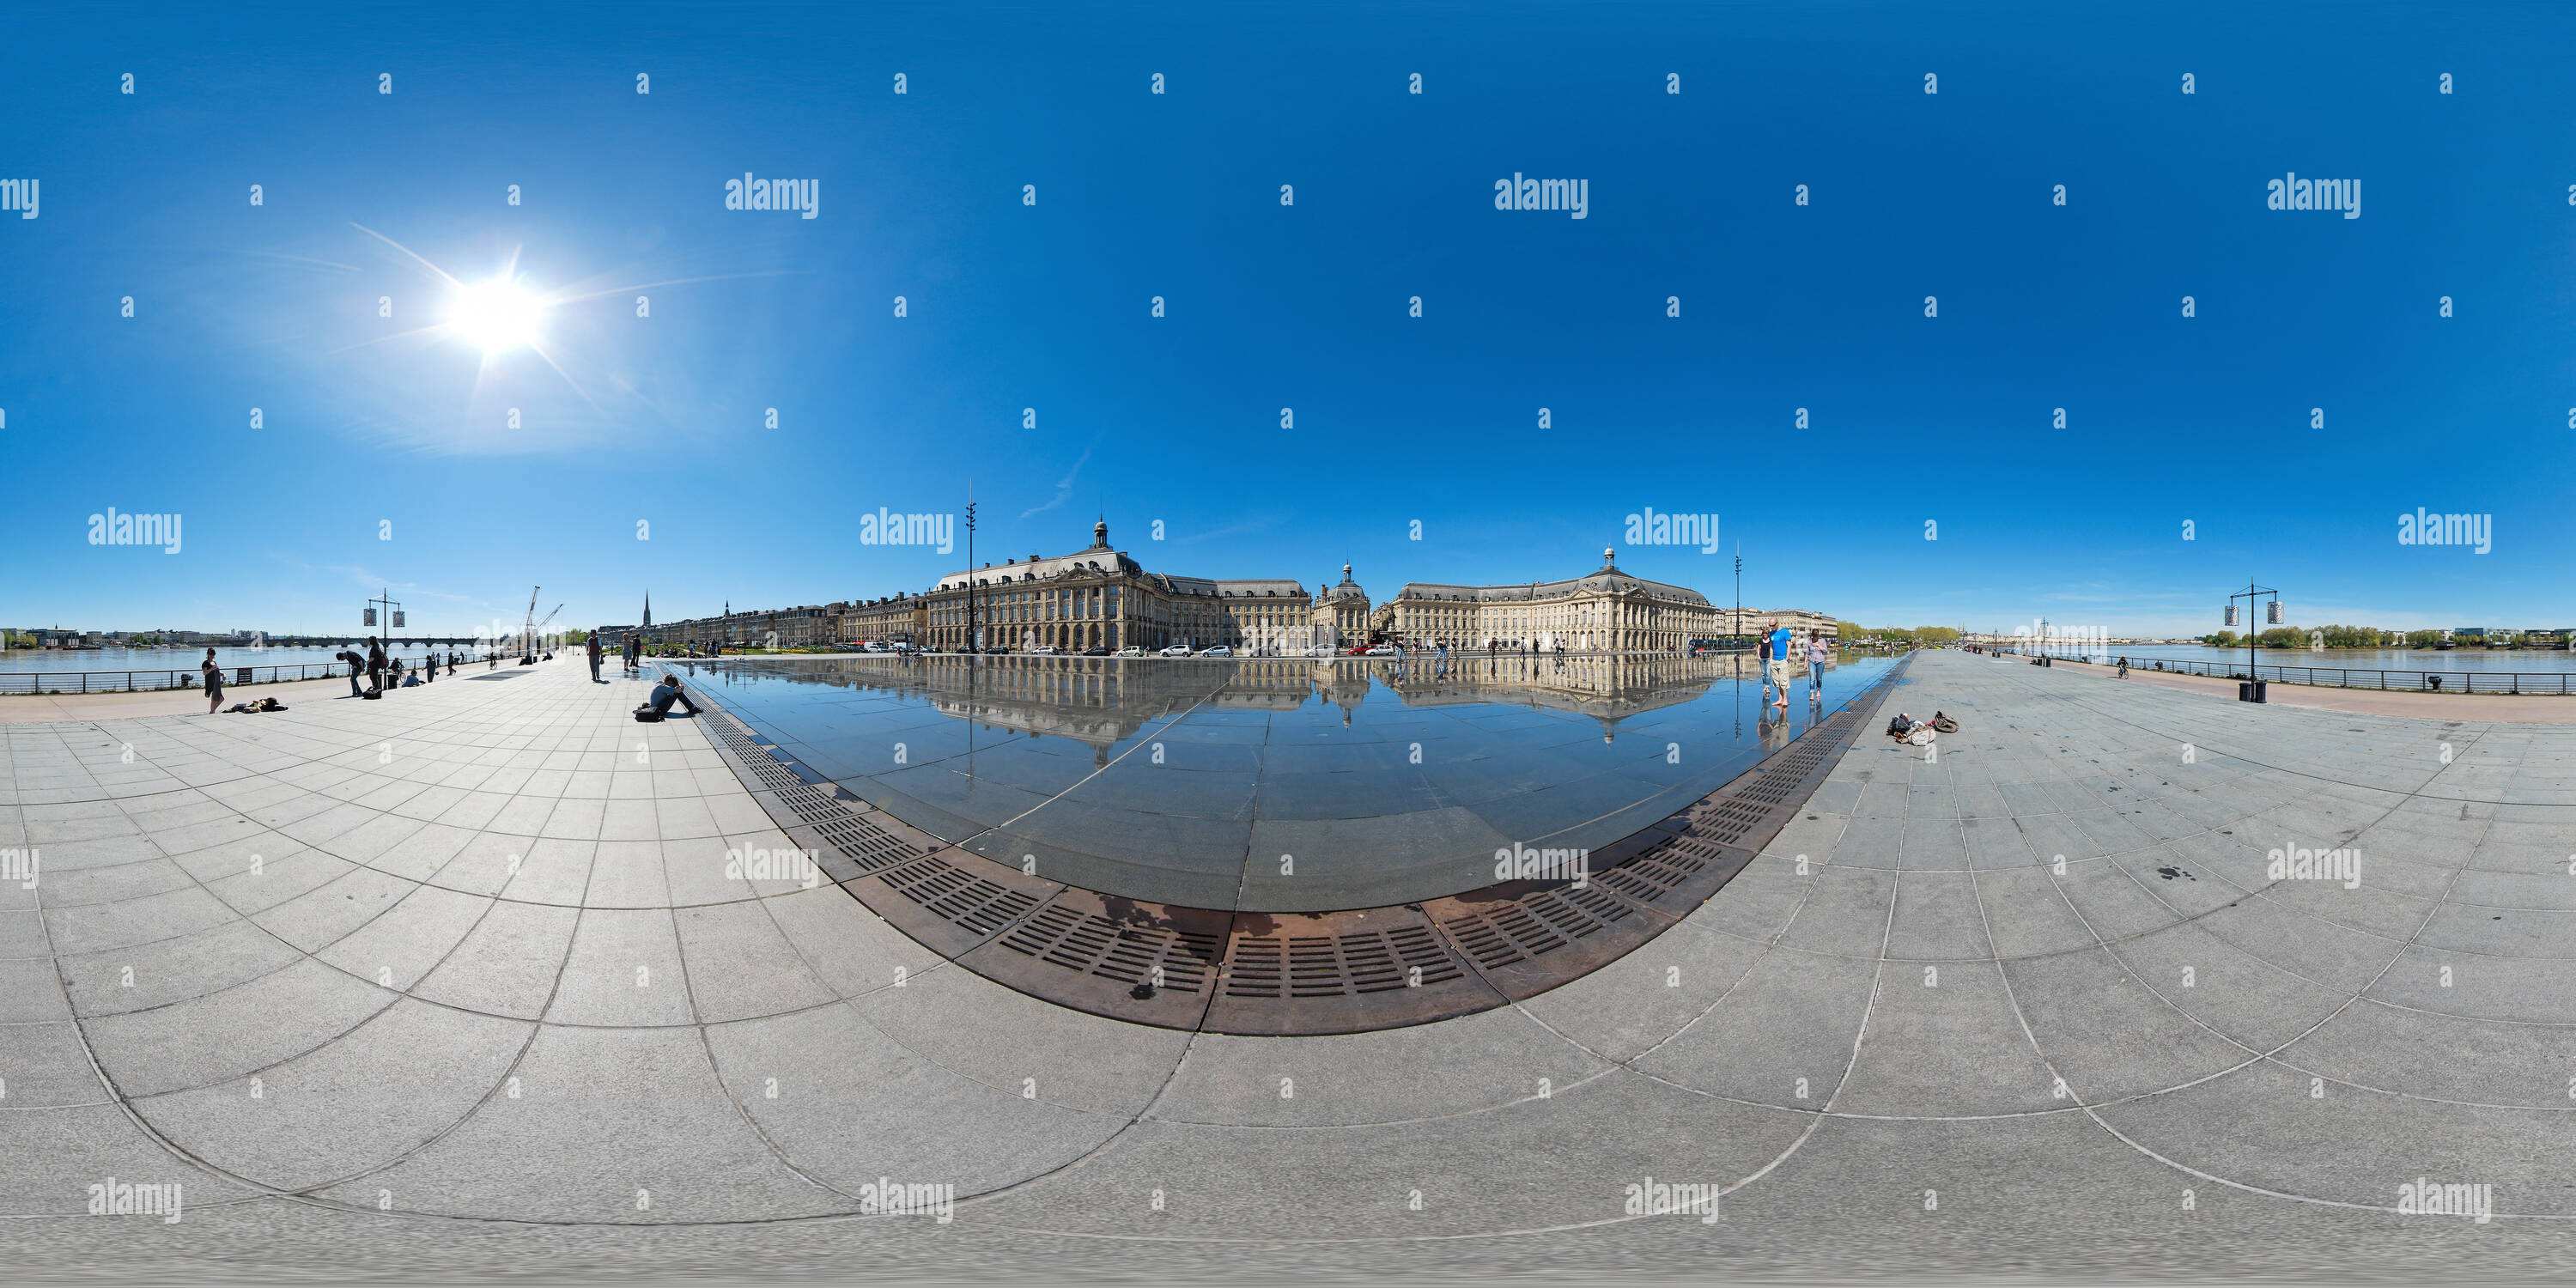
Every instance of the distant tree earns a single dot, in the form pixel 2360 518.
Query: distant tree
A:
pixel 2222 639
pixel 1935 634
pixel 2423 639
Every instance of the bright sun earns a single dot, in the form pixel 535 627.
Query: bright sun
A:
pixel 498 314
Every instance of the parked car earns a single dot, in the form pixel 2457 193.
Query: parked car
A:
pixel 1356 650
pixel 1132 650
pixel 1218 650
pixel 1177 650
pixel 1096 650
pixel 1045 650
pixel 1379 650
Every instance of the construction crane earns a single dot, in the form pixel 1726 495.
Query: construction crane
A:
pixel 549 621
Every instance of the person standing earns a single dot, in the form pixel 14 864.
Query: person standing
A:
pixel 214 682
pixel 595 658
pixel 1817 654
pixel 356 664
pixel 375 665
pixel 1779 641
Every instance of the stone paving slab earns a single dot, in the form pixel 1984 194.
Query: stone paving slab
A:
pixel 460 979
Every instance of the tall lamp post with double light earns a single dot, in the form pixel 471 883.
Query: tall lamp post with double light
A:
pixel 2252 689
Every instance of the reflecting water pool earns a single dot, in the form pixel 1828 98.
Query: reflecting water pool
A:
pixel 1273 785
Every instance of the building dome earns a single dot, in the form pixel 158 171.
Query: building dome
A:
pixel 1348 589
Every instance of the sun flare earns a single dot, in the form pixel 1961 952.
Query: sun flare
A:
pixel 499 314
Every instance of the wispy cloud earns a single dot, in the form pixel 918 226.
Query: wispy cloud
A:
pixel 1229 530
pixel 1063 486
pixel 367 579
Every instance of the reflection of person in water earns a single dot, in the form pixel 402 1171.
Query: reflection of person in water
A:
pixel 1773 727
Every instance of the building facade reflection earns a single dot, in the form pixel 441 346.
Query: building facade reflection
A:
pixel 1103 701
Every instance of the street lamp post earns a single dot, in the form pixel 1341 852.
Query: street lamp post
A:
pixel 2251 593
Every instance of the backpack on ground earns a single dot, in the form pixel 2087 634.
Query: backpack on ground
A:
pixel 647 715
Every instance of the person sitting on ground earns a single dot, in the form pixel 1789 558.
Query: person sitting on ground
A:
pixel 668 692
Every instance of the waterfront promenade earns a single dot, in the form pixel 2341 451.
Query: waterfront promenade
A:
pixel 458 982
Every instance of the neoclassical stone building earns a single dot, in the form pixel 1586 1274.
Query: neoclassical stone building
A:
pixel 1341 616
pixel 900 618
pixel 1100 598
pixel 1608 611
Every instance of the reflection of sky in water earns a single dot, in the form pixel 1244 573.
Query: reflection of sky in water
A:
pixel 1186 781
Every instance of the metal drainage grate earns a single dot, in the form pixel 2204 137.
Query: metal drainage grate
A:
pixel 956 896
pixel 811 804
pixel 1175 960
pixel 1346 965
pixel 1657 872
pixel 864 843
pixel 1729 819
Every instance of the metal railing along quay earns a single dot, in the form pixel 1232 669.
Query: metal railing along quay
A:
pixel 2512 682
pixel 186 678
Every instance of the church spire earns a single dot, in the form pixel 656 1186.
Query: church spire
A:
pixel 648 607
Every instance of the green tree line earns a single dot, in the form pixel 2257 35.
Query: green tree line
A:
pixel 2349 637
pixel 1854 632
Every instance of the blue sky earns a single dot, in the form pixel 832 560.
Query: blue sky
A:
pixel 367 421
